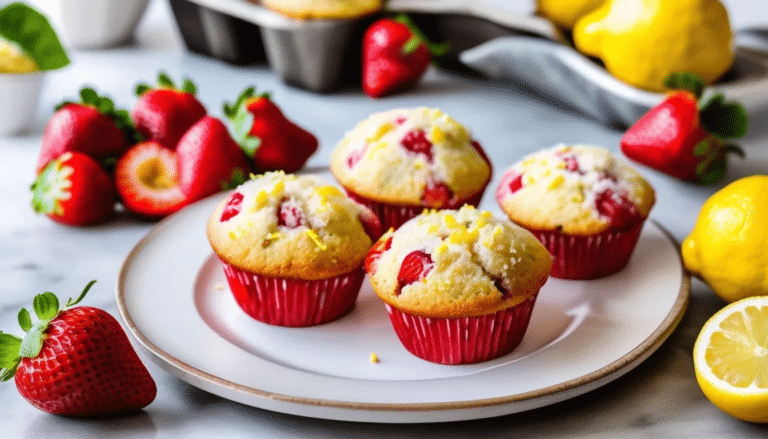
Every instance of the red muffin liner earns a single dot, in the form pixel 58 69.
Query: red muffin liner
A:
pixel 294 302
pixel 589 257
pixel 395 215
pixel 463 340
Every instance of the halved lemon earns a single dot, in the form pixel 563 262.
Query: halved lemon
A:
pixel 731 359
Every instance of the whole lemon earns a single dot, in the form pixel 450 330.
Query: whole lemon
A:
pixel 727 246
pixel 642 42
pixel 566 12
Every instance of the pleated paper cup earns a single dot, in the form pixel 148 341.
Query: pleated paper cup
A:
pixel 592 256
pixel 463 340
pixel 294 302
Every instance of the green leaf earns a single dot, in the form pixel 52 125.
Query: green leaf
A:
pixel 242 123
pixel 46 306
pixel 105 105
pixel 88 96
pixel 230 110
pixel 701 148
pixel 435 49
pixel 24 320
pixel 726 120
pixel 33 33
pixel 87 288
pixel 189 87
pixel 713 173
pixel 685 81
pixel 8 373
pixel 165 81
pixel 236 178
pixel 33 341
pixel 142 88
pixel 9 350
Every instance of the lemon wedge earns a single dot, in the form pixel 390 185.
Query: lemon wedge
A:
pixel 730 358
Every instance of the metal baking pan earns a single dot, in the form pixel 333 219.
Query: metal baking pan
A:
pixel 325 55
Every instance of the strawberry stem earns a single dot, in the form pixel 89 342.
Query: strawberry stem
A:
pixel 105 106
pixel 685 81
pixel 435 49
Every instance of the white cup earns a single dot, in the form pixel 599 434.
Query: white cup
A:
pixel 20 95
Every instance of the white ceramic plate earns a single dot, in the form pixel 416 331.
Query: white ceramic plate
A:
pixel 173 297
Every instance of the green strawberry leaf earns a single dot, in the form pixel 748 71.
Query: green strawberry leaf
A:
pixel 87 288
pixel 32 343
pixel 242 123
pixel 46 306
pixel 8 373
pixel 89 96
pixel 51 186
pixel 685 81
pixel 435 49
pixel 33 33
pixel 726 120
pixel 230 110
pixel 712 174
pixel 236 178
pixel 9 350
pixel 24 320
pixel 142 88
pixel 165 81
pixel 189 87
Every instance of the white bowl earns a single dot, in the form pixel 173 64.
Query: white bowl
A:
pixel 95 24
pixel 20 95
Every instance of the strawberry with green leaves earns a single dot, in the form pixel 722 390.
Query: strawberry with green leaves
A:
pixel 685 136
pixel 164 113
pixel 264 133
pixel 92 126
pixel 77 361
pixel 395 56
pixel 74 189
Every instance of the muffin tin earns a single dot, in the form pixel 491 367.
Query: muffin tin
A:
pixel 324 55
pixel 519 49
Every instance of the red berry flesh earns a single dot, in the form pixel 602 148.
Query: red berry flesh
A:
pixel 375 253
pixel 417 142
pixel 233 207
pixel 416 265
pixel 289 214
pixel 621 212
pixel 436 195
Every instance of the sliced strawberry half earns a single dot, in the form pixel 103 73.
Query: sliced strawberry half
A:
pixel 74 189
pixel 415 267
pixel 147 180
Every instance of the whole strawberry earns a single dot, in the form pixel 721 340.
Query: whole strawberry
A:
pixel 164 113
pixel 209 160
pixel 76 361
pixel 684 136
pixel 92 126
pixel 264 133
pixel 395 56
pixel 74 189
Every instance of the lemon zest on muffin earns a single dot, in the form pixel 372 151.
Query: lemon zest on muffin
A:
pixel 437 135
pixel 262 198
pixel 463 236
pixel 274 236
pixel 314 237
pixel 556 182
pixel 450 221
pixel 383 129
pixel 442 248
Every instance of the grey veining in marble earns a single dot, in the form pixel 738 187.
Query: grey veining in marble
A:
pixel 658 399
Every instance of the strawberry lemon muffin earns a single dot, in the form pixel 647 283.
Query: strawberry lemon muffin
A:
pixel 583 204
pixel 459 285
pixel 401 161
pixel 292 248
pixel 324 9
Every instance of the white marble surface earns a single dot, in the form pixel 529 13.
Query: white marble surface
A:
pixel 660 398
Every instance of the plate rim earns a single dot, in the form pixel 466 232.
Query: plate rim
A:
pixel 608 372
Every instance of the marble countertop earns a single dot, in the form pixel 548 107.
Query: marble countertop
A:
pixel 659 398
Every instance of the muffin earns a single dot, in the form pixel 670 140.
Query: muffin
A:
pixel 292 248
pixel 459 285
pixel 400 161
pixel 324 9
pixel 583 204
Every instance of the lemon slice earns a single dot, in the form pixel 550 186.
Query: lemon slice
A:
pixel 731 359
